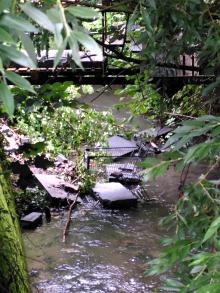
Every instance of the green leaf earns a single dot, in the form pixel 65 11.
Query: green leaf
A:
pixel 7 99
pixel 211 87
pixel 149 162
pixel 153 4
pixel 5 5
pixel 172 155
pixel 87 42
pixel 156 171
pixel 197 269
pixel 215 131
pixel 212 229
pixel 19 81
pixel 17 23
pixel 82 12
pixel 75 50
pixel 2 67
pixel 172 285
pixel 147 20
pixel 58 34
pixel 54 14
pixel 59 53
pixel 179 166
pixel 183 129
pixel 194 123
pixel 207 118
pixel 210 288
pixel 5 36
pixel 38 16
pixel 18 57
pixel 29 46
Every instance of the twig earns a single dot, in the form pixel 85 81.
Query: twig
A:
pixel 183 178
pixel 179 115
pixel 126 32
pixel 203 177
pixel 206 191
pixel 107 86
pixel 66 228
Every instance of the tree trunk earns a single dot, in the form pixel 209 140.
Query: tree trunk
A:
pixel 13 270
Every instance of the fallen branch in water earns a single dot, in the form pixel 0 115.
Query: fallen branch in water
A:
pixel 66 228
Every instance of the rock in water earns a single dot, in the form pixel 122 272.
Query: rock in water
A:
pixel 31 221
pixel 114 195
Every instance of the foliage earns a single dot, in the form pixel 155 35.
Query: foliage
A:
pixel 62 23
pixel 52 118
pixel 193 26
pixel 194 249
pixel 145 99
pixel 189 101
pixel 55 119
pixel 51 95
pixel 192 254
pixel 66 129
pixel 29 200
pixel 183 23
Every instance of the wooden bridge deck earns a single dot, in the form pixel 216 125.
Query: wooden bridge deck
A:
pixel 97 71
pixel 97 75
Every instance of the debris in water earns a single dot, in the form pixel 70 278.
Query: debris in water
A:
pixel 31 220
pixel 114 195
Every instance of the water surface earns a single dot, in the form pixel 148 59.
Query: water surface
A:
pixel 106 251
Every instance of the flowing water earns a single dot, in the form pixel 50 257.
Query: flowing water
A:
pixel 106 250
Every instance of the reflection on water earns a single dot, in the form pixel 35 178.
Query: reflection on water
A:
pixel 106 251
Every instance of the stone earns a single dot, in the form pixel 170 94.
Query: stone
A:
pixel 153 132
pixel 31 221
pixel 70 187
pixel 24 140
pixel 114 195
pixel 42 162
pixel 5 129
pixel 119 146
pixel 136 47
pixel 61 159
pixel 54 187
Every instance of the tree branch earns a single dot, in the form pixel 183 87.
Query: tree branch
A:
pixel 66 228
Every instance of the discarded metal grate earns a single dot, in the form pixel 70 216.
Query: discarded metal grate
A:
pixel 93 157
pixel 141 192
pixel 123 172
pixel 118 164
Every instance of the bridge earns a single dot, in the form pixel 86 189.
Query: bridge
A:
pixel 99 70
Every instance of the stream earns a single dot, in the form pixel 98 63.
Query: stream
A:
pixel 106 250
